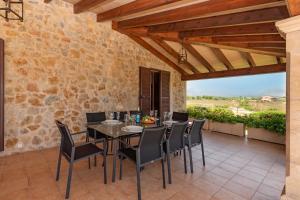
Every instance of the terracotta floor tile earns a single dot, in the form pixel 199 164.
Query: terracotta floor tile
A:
pixel 226 195
pixel 245 182
pixel 208 187
pixel 234 170
pixel 260 196
pixel 222 172
pixel 239 189
pixel 252 175
pixel 269 191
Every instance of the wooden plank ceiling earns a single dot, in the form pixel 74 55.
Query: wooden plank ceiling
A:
pixel 222 38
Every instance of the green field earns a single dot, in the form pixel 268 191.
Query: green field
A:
pixel 239 103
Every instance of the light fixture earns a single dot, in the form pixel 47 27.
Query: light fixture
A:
pixel 182 55
pixel 11 9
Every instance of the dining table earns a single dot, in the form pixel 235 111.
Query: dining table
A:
pixel 115 132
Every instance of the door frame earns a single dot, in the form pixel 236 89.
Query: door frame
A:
pixel 160 71
pixel 1 94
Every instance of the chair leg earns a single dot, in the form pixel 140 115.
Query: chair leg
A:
pixel 104 169
pixel 69 180
pixel 184 160
pixel 58 166
pixel 111 147
pixel 95 161
pixel 163 174
pixel 202 148
pixel 89 160
pixel 169 168
pixel 138 181
pixel 191 159
pixel 121 166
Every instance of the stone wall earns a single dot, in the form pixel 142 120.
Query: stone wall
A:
pixel 59 66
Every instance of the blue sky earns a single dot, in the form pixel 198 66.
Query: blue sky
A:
pixel 255 85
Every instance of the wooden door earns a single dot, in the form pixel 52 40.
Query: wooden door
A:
pixel 145 90
pixel 164 92
pixel 1 95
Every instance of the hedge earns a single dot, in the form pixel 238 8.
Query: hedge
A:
pixel 273 121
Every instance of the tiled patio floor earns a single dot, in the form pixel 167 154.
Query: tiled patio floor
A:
pixel 235 169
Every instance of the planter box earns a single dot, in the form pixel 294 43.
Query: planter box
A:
pixel 265 135
pixel 232 129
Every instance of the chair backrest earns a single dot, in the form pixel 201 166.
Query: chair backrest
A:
pixel 150 144
pixel 180 116
pixel 196 131
pixel 176 137
pixel 66 139
pixel 134 112
pixel 122 115
pixel 95 117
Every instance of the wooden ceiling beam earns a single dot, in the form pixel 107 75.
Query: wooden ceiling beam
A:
pixel 47 1
pixel 193 11
pixel 198 57
pixel 257 44
pixel 293 7
pixel 157 54
pixel 283 51
pixel 221 57
pixel 248 17
pixel 250 50
pixel 173 53
pixel 248 29
pixel 133 7
pixel 237 39
pixel 84 5
pixel 247 56
pixel 237 72
pixel 245 46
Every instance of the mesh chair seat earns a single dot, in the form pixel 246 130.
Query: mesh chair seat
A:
pixel 86 150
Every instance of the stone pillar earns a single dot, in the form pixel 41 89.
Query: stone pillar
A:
pixel 290 30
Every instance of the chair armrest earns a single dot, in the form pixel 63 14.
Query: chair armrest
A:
pixel 127 145
pixel 80 132
pixel 90 142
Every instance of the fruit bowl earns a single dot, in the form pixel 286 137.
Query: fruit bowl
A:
pixel 148 120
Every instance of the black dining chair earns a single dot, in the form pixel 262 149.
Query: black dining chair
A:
pixel 134 112
pixel 149 149
pixel 75 152
pixel 175 142
pixel 180 116
pixel 95 117
pixel 194 138
pixel 122 115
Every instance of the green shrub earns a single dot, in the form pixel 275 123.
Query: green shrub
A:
pixel 273 121
pixel 218 114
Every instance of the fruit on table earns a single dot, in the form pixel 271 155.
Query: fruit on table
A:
pixel 148 120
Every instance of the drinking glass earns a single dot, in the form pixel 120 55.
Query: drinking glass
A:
pixel 170 116
pixel 166 116
pixel 126 118
pixel 118 116
pixel 151 113
pixel 111 115
pixel 155 114
pixel 133 119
